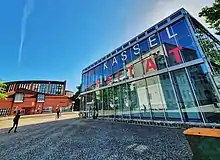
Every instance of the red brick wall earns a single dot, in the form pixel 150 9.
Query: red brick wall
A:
pixel 4 104
pixel 30 105
pixel 57 101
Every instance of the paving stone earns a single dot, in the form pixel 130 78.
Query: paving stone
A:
pixel 93 140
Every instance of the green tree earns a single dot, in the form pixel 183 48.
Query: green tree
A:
pixel 75 98
pixel 3 94
pixel 212 15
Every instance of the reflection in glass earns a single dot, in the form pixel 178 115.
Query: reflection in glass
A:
pixel 170 105
pixel 105 102
pixel 98 103
pixel 171 59
pixel 117 102
pixel 133 97
pixel 185 96
pixel 184 39
pixel 156 97
pixel 126 102
pixel 111 107
pixel 205 93
pixel 142 99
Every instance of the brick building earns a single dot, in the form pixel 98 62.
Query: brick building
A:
pixel 36 96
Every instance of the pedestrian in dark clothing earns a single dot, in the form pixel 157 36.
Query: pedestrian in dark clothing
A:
pixel 15 120
pixel 58 113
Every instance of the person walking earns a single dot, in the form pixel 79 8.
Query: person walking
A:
pixel 58 112
pixel 15 120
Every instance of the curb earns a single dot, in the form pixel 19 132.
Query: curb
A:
pixel 36 115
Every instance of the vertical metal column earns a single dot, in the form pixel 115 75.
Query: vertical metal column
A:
pixel 127 90
pixel 172 84
pixel 113 90
pixel 101 93
pixel 147 91
pixel 198 106
pixel 210 73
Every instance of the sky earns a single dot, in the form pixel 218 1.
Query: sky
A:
pixel 56 39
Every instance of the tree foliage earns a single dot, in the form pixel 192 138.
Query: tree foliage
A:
pixel 212 15
pixel 76 99
pixel 3 95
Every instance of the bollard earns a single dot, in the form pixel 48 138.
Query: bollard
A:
pixel 204 143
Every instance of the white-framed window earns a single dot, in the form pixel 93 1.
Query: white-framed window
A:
pixel 19 97
pixel 40 98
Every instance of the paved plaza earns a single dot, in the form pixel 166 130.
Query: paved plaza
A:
pixel 80 139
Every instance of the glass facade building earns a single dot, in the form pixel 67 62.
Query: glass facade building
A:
pixel 169 72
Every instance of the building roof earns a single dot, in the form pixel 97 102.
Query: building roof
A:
pixel 36 81
pixel 27 91
pixel 150 31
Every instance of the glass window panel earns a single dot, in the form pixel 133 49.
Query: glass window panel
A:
pixel 40 98
pixel 153 41
pixel 105 103
pixel 143 99
pixel 92 79
pixel 138 69
pixel 205 92
pixel 89 80
pixel 99 103
pixel 144 47
pixel 209 46
pixel 184 38
pixel 173 59
pixel 133 97
pixel 89 104
pixel 157 100
pixel 111 111
pixel 117 102
pixel 97 76
pixel 115 62
pixel 168 97
pixel 126 102
pixel 83 103
pixel 52 89
pixel 19 97
pixel 59 89
pixel 107 71
pixel 165 38
pixel 43 88
pixel 120 62
pixel 135 51
pixel 187 103
pixel 128 57
pixel 154 60
pixel 135 68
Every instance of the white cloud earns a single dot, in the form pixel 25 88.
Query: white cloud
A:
pixel 28 9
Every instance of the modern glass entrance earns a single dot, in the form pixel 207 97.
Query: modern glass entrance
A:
pixel 169 74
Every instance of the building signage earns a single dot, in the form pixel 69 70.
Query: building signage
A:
pixel 118 62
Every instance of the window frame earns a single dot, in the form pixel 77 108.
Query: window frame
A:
pixel 19 101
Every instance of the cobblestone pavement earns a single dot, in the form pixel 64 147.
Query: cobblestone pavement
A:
pixel 79 139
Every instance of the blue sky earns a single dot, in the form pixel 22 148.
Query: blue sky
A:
pixel 64 36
